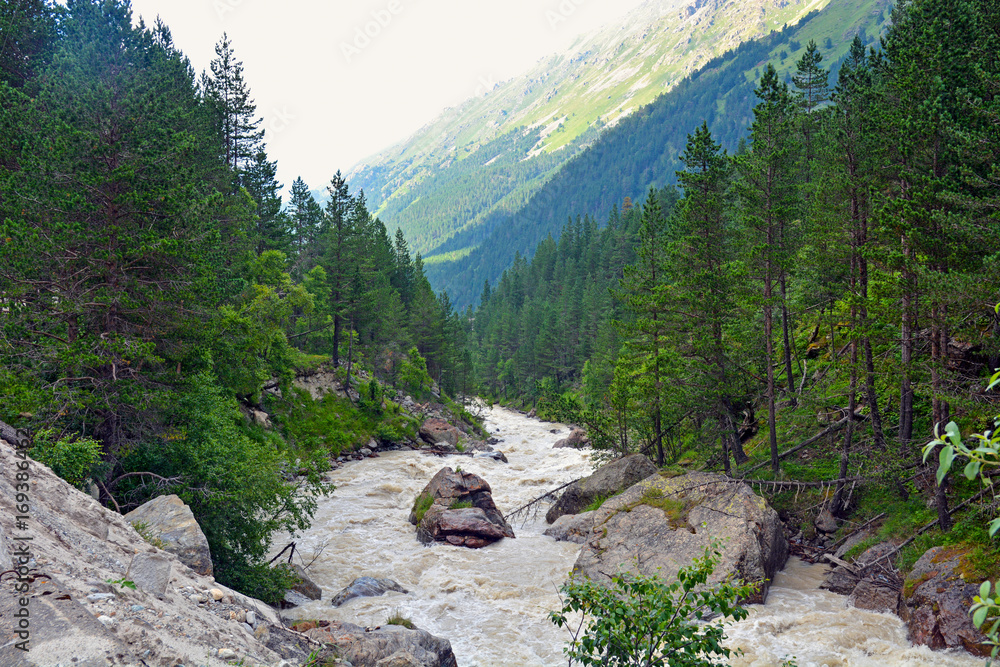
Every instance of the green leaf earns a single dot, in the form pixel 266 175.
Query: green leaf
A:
pixel 953 433
pixel 984 590
pixel 979 616
pixel 971 469
pixel 994 526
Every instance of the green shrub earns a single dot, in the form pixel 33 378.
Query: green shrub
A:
pixel 72 457
pixel 460 505
pixel 645 620
pixel 413 375
pixel 596 503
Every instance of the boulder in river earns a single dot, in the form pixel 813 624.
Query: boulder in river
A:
pixel 437 432
pixel 661 524
pixel 457 507
pixel 572 528
pixel 605 482
pixel 375 647
pixel 366 587
pixel 938 593
pixel 576 439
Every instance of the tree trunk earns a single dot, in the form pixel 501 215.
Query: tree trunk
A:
pixel 789 374
pixel 906 359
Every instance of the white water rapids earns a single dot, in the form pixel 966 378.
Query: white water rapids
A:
pixel 493 603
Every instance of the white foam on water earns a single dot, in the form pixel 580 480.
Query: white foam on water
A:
pixel 493 603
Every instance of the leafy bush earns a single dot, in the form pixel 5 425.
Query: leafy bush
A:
pixel 234 480
pixel 413 375
pixel 460 505
pixel 644 620
pixel 72 457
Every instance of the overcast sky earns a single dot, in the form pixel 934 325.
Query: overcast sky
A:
pixel 337 81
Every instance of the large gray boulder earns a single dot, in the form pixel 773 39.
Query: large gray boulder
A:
pixel 458 508
pixel 374 647
pixel 366 587
pixel 169 520
pixel 661 524
pixel 439 432
pixel 605 482
pixel 571 528
pixel 938 595
pixel 576 439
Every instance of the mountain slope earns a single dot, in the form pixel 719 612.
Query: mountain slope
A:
pixel 493 152
pixel 642 149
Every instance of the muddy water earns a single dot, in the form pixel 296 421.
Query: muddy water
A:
pixel 493 603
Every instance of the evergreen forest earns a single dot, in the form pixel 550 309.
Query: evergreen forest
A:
pixel 833 279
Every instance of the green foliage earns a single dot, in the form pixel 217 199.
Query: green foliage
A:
pixel 596 503
pixel 986 454
pixel 74 458
pixel 421 504
pixel 398 619
pixel 232 478
pixel 413 376
pixel 122 583
pixel 145 533
pixel 644 620
pixel 333 425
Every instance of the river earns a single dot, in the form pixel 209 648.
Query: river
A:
pixel 493 603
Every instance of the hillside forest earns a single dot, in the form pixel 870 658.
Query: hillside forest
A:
pixel 836 275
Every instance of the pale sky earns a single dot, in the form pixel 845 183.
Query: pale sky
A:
pixel 331 95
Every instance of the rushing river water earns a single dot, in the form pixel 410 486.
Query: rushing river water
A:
pixel 493 603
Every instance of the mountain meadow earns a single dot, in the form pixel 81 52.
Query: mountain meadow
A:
pixel 757 240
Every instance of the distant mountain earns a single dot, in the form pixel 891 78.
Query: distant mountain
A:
pixel 488 156
pixel 642 149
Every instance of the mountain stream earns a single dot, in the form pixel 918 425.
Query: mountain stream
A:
pixel 493 603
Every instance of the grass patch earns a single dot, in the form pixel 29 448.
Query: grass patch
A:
pixel 596 503
pixel 146 533
pixel 398 619
pixel 675 509
pixel 422 503
pixel 460 505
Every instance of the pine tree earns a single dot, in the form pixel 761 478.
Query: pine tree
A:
pixel 768 199
pixel 644 290
pixel 703 293
pixel 305 218
pixel 228 95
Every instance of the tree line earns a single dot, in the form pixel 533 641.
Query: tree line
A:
pixel 152 284
pixel 847 248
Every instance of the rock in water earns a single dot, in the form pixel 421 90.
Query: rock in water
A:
pixel 306 586
pixel 667 523
pixel 366 587
pixel 458 508
pixel 605 482
pixel 576 439
pixel 438 431
pixel 938 599
pixel 168 519
pixel 389 643
pixel 572 528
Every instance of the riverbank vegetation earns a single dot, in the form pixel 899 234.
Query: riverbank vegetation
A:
pixel 802 311
pixel 155 295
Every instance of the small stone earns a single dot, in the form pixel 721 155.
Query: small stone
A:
pixel 198 599
pixel 227 653
pixel 241 616
pixel 365 451
pixel 216 594
pixel 99 597
pixel 251 618
pixel 107 621
pixel 247 628
pixel 137 607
